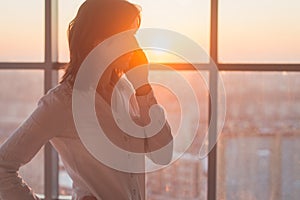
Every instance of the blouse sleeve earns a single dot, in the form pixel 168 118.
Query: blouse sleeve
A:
pixel 162 141
pixel 43 124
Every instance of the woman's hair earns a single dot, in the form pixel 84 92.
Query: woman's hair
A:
pixel 96 21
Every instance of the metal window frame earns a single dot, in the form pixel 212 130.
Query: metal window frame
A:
pixel 50 66
pixel 213 86
pixel 51 187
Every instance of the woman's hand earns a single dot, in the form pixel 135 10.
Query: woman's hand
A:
pixel 139 76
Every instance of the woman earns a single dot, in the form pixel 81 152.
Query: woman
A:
pixel 52 120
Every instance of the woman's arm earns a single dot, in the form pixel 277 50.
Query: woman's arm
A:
pixel 163 140
pixel 145 99
pixel 42 125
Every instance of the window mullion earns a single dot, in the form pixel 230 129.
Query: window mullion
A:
pixel 51 79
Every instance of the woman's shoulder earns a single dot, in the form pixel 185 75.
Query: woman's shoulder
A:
pixel 58 97
pixel 53 111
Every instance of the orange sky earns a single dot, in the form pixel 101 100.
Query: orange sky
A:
pixel 249 31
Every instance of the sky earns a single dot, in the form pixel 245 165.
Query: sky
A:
pixel 252 31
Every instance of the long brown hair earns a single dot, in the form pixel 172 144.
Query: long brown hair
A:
pixel 96 21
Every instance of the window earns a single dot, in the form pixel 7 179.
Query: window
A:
pixel 189 17
pixel 186 178
pixel 15 106
pixel 67 10
pixel 22 33
pixel 259 31
pixel 257 156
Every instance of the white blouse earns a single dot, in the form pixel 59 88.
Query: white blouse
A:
pixel 52 121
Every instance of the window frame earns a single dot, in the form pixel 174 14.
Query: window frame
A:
pixel 50 66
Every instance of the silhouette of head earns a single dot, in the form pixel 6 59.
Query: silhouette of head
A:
pixel 96 21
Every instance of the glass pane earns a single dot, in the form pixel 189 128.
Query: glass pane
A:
pixel 19 94
pixel 258 152
pixel 22 31
pixel 188 17
pixel 67 10
pixel 259 31
pixel 187 177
